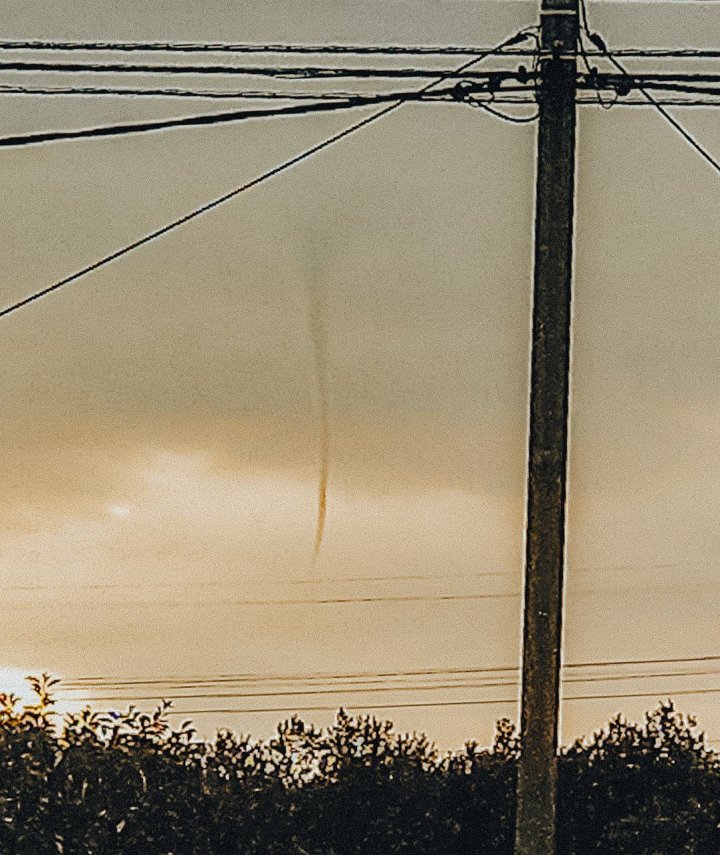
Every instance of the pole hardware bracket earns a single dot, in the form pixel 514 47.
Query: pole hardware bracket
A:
pixel 621 84
pixel 465 88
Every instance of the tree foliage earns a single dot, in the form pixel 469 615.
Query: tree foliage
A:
pixel 129 782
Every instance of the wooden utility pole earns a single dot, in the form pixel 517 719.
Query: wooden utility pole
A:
pixel 547 464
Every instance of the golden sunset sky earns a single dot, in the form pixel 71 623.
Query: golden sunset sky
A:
pixel 159 426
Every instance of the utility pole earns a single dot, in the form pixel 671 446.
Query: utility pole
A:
pixel 547 463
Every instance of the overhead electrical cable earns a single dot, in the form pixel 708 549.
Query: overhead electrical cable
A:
pixel 488 107
pixel 284 72
pixel 489 87
pixel 339 49
pixel 660 53
pixel 313 681
pixel 648 77
pixel 137 92
pixel 199 602
pixel 105 682
pixel 314 581
pixel 684 133
pixel 586 62
pixel 666 102
pixel 703 85
pixel 298 708
pixel 220 200
pixel 650 80
pixel 234 47
pixel 679 88
pixel 197 212
pixel 313 601
pixel 294 692
pixel 203 120
pixel 585 98
pixel 191 692
pixel 500 96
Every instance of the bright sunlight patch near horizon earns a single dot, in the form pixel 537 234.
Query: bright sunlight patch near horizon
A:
pixel 14 681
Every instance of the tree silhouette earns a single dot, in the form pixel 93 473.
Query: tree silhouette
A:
pixel 120 783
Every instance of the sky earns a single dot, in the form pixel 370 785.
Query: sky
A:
pixel 161 426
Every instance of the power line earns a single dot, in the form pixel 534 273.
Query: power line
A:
pixel 319 601
pixel 323 602
pixel 220 200
pixel 329 601
pixel 170 692
pixel 585 99
pixel 134 92
pixel 499 114
pixel 320 580
pixel 197 212
pixel 207 119
pixel 310 601
pixel 623 86
pixel 429 704
pixel 502 96
pixel 586 62
pixel 668 102
pixel 624 83
pixel 102 682
pixel 309 685
pixel 683 88
pixel 441 576
pixel 295 692
pixel 337 49
pixel 311 681
pixel 647 77
pixel 660 53
pixel 684 133
pixel 234 47
pixel 283 72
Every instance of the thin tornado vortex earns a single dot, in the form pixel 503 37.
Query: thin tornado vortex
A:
pixel 322 487
pixel 319 340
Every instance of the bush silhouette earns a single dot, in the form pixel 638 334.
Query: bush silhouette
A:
pixel 112 783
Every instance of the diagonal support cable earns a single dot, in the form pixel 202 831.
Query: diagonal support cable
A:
pixel 684 133
pixel 226 197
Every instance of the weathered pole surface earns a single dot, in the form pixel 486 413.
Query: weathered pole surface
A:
pixel 547 464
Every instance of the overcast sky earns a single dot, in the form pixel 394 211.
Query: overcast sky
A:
pixel 160 417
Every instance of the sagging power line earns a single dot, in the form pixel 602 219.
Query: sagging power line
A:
pixel 283 72
pixel 329 49
pixel 238 47
pixel 354 676
pixel 474 702
pixel 508 95
pixel 191 692
pixel 317 581
pixel 265 176
pixel 207 119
